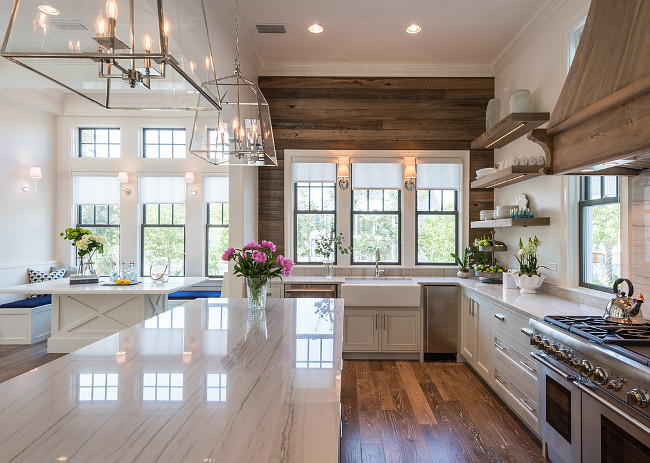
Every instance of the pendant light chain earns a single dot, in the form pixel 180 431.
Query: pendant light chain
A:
pixel 237 63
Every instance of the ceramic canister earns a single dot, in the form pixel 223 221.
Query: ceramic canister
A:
pixel 493 113
pixel 521 101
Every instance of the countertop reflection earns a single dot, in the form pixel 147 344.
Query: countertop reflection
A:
pixel 206 381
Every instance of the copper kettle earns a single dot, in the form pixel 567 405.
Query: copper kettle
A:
pixel 622 309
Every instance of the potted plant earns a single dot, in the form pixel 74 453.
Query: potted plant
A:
pixel 256 263
pixel 326 246
pixel 87 246
pixel 463 265
pixel 528 279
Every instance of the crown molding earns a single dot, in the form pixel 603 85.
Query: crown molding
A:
pixel 535 22
pixel 369 69
pixel 49 100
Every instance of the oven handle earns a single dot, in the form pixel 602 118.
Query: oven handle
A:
pixel 542 359
pixel 610 407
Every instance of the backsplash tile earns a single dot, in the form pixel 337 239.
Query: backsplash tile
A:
pixel 640 235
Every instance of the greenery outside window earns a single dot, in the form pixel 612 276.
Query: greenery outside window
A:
pixel 102 220
pixel 163 237
pixel 376 224
pixel 437 226
pixel 164 143
pixel 216 238
pixel 600 232
pixel 99 143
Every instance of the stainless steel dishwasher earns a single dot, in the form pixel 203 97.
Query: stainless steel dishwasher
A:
pixel 440 322
pixel 310 290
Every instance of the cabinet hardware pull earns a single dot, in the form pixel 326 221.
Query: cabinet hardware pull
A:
pixel 500 317
pixel 525 403
pixel 528 367
pixel 384 321
pixel 499 379
pixel 376 316
pixel 287 290
pixel 527 332
pixel 499 345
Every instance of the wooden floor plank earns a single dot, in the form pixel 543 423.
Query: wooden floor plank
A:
pixel 372 453
pixel 18 359
pixel 419 404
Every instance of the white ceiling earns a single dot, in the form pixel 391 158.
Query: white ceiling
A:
pixel 454 32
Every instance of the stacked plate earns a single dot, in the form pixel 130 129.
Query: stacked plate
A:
pixel 483 172
pixel 488 214
pixel 503 212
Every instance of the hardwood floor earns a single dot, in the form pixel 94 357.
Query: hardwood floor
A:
pixel 16 360
pixel 426 412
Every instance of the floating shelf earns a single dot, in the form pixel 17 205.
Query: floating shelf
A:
pixel 508 176
pixel 509 128
pixel 514 222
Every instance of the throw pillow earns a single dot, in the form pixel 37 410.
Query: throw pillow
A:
pixel 36 277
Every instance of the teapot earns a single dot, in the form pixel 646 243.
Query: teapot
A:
pixel 622 309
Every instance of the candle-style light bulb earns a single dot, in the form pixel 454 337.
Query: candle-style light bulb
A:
pixel 147 43
pixel 111 9
pixel 166 28
pixel 100 25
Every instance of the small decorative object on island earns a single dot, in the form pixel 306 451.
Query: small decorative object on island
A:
pixel 87 246
pixel 327 244
pixel 528 278
pixel 256 263
pixel 463 265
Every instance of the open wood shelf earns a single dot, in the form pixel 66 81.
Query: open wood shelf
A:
pixel 513 222
pixel 511 127
pixel 508 176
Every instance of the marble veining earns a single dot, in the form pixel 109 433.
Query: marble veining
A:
pixel 201 382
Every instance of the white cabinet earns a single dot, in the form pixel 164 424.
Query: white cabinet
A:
pixel 361 330
pixel 476 336
pixel 467 331
pixel 382 330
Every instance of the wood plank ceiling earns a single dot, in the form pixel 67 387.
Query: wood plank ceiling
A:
pixel 372 113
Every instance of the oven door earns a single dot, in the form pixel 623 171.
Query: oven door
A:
pixel 612 432
pixel 559 412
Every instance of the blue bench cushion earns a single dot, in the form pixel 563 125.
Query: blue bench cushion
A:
pixel 29 303
pixel 193 294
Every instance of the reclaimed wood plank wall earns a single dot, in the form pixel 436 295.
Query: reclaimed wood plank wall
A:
pixel 372 113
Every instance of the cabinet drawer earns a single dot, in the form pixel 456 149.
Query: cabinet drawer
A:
pixel 524 366
pixel 518 400
pixel 512 324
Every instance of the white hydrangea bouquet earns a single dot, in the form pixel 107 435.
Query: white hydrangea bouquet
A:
pixel 87 244
pixel 528 278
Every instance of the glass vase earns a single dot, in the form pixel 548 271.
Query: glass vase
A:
pixel 256 292
pixel 328 267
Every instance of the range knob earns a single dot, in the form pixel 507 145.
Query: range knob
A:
pixel 552 349
pixel 615 385
pixel 544 345
pixel 536 341
pixel 638 397
pixel 600 376
pixel 574 362
pixel 562 355
pixel 586 368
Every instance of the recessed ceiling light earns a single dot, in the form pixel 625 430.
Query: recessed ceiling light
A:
pixel 586 170
pixel 413 29
pixel 611 164
pixel 315 28
pixel 47 9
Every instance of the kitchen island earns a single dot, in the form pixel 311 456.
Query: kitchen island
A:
pixel 206 381
pixel 83 314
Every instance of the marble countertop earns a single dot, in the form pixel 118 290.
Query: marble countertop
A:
pixel 532 305
pixel 202 382
pixel 63 286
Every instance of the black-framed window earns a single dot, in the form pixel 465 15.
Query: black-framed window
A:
pixel 315 213
pixel 216 237
pixel 96 142
pixel 164 143
pixel 219 140
pixel 376 224
pixel 163 237
pixel 436 230
pixel 599 232
pixel 102 220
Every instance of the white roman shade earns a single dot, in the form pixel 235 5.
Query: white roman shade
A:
pixel 215 189
pixel 162 190
pixel 439 176
pixel 314 172
pixel 377 175
pixel 96 190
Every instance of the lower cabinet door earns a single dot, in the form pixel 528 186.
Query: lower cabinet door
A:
pixel 400 330
pixel 483 340
pixel 360 330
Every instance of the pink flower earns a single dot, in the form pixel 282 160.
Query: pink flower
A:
pixel 259 256
pixel 287 266
pixel 268 244
pixel 252 245
pixel 229 252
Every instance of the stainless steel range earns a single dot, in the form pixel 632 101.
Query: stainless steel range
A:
pixel 593 388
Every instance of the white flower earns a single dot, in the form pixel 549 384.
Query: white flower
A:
pixel 100 239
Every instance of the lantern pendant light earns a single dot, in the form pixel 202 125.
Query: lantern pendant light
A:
pixel 241 133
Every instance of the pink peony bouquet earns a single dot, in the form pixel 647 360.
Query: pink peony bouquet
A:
pixel 256 260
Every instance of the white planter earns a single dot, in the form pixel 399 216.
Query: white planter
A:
pixel 528 285
pixel 461 274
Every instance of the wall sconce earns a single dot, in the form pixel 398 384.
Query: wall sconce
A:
pixel 409 177
pixel 189 178
pixel 35 174
pixel 123 177
pixel 187 357
pixel 343 176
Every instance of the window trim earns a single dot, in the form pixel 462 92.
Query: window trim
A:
pixel 399 223
pixel 297 212
pixel 455 212
pixel 80 143
pixel 208 226
pixel 143 225
pixel 582 205
pixel 144 142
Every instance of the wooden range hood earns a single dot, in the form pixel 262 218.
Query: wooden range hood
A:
pixel 601 122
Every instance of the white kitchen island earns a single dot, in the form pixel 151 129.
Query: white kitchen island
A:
pixel 83 314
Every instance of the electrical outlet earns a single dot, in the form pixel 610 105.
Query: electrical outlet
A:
pixel 552 266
